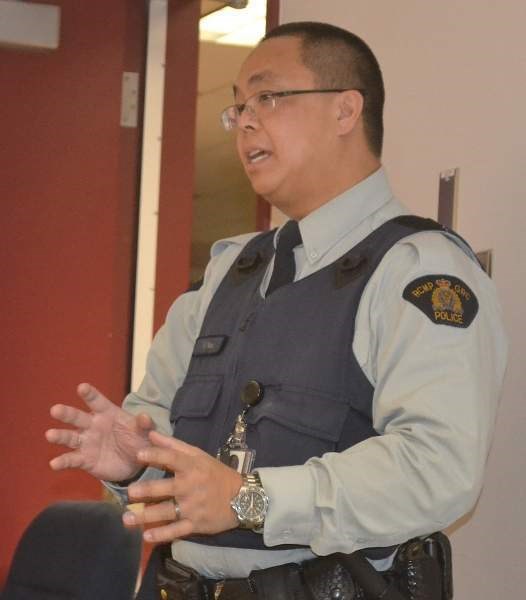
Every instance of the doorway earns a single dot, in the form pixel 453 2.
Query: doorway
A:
pixel 224 203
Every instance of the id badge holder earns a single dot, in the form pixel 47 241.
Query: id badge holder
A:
pixel 240 459
pixel 235 453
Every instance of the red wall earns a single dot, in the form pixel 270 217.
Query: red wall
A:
pixel 68 180
pixel 68 202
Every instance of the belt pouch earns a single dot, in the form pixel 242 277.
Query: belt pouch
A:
pixel 327 579
pixel 279 583
pixel 176 582
pixel 419 573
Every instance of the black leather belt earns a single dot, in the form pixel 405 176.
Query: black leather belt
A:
pixel 421 569
pixel 279 583
pixel 177 582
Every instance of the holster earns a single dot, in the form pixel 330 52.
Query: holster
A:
pixel 423 568
pixel 176 582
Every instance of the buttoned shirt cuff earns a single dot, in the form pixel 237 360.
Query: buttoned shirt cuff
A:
pixel 121 493
pixel 289 518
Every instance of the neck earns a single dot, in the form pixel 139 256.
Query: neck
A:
pixel 298 205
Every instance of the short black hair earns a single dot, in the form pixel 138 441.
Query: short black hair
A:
pixel 341 59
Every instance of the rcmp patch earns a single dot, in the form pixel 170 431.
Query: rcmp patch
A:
pixel 444 299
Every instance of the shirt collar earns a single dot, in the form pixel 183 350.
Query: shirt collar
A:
pixel 324 227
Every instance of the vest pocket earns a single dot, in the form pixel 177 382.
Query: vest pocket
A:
pixel 293 424
pixel 192 408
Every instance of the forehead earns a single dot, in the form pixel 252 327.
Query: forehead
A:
pixel 275 62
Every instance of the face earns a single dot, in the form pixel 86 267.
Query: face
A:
pixel 287 155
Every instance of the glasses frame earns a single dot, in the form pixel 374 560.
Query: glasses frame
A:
pixel 230 124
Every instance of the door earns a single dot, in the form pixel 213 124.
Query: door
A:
pixel 68 183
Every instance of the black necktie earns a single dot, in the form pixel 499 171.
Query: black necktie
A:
pixel 284 265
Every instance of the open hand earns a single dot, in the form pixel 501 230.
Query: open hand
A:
pixel 195 500
pixel 105 440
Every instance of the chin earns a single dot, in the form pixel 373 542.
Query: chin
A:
pixel 277 201
pixel 271 191
pixel 262 188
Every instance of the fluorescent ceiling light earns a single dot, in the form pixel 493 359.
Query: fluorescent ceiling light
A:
pixel 243 27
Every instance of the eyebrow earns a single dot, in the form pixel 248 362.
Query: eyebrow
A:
pixel 266 75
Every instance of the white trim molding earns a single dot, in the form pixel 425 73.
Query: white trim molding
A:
pixel 149 191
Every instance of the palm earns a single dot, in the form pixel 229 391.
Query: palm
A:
pixel 106 440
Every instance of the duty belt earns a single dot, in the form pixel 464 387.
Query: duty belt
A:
pixel 421 570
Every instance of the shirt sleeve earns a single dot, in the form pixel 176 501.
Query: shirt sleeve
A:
pixel 436 390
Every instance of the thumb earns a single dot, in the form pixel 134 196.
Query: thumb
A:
pixel 144 423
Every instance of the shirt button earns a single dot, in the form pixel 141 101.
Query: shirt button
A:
pixel 313 254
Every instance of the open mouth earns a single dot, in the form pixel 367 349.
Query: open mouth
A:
pixel 255 156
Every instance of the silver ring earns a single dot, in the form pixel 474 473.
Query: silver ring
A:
pixel 79 440
pixel 177 509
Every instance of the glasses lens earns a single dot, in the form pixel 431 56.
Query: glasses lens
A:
pixel 229 118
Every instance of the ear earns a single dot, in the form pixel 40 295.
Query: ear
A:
pixel 349 110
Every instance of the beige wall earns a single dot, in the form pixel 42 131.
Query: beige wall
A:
pixel 456 97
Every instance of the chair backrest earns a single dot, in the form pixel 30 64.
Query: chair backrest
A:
pixel 75 551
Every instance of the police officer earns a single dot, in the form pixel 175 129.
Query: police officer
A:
pixel 347 366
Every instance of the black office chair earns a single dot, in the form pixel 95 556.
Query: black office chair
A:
pixel 75 551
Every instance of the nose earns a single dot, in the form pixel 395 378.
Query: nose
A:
pixel 247 119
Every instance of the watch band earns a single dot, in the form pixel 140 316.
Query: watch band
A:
pixel 252 479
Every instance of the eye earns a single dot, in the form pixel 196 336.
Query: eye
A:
pixel 265 98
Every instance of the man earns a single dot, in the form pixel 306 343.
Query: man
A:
pixel 367 388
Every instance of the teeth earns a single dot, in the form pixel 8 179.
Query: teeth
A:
pixel 257 155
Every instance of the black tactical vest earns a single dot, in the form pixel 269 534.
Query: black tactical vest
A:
pixel 297 344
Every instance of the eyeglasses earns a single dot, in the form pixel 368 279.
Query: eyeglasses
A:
pixel 261 104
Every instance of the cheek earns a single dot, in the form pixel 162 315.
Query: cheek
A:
pixel 301 153
pixel 238 147
pixel 304 140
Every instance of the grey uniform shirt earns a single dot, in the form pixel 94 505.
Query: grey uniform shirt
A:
pixel 436 390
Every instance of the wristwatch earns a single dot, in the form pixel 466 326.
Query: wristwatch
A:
pixel 251 503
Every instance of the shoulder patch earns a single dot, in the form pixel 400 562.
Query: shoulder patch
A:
pixel 446 300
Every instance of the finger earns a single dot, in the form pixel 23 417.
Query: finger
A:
pixel 64 437
pixel 158 488
pixel 166 441
pixel 160 512
pixel 170 459
pixel 170 532
pixel 96 401
pixel 70 415
pixel 70 460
